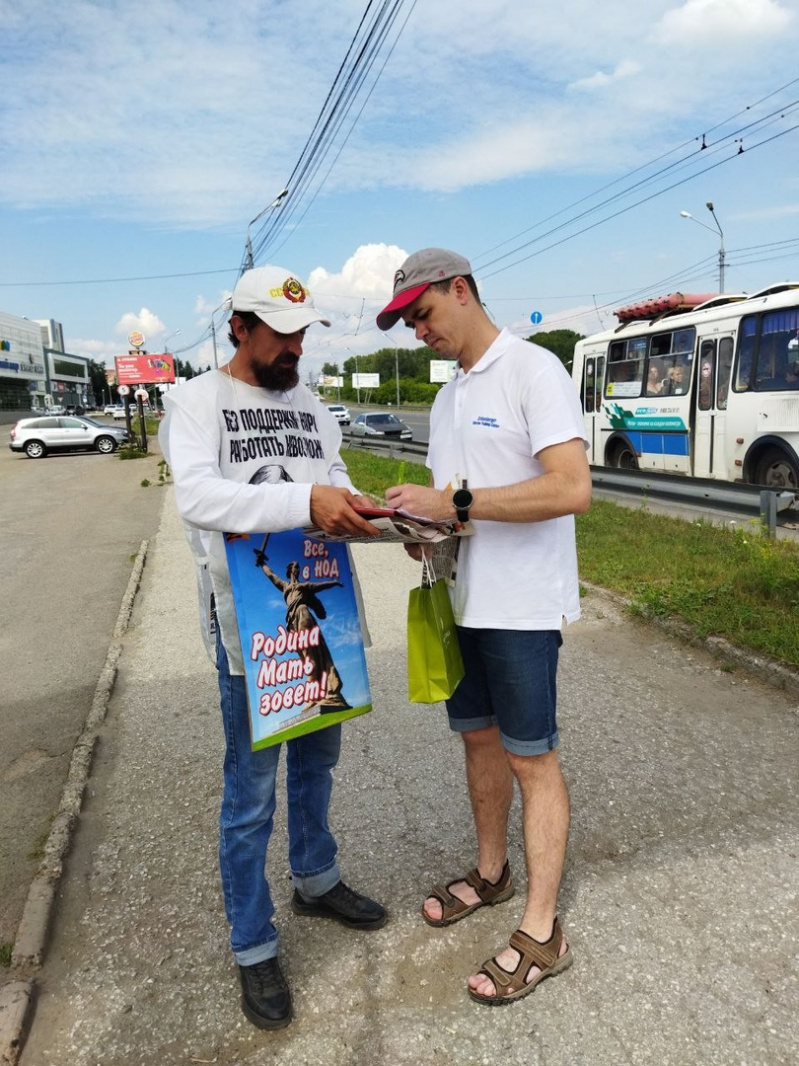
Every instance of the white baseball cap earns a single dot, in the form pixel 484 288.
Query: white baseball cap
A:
pixel 278 297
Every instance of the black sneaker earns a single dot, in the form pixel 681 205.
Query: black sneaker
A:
pixel 344 905
pixel 265 995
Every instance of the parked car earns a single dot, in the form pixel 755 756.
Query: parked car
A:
pixel 111 407
pixel 56 409
pixel 119 412
pixel 340 413
pixel 380 424
pixel 38 436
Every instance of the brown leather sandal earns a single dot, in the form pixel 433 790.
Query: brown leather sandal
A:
pixel 490 893
pixel 511 986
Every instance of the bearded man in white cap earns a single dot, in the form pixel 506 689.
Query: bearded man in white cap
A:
pixel 220 430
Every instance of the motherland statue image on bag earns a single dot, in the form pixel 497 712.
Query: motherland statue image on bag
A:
pixel 300 631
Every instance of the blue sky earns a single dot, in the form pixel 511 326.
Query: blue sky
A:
pixel 138 141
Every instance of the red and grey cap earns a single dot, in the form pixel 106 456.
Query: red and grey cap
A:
pixel 278 297
pixel 417 273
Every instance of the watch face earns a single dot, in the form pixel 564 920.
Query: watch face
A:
pixel 462 498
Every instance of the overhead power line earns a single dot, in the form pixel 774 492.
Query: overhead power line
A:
pixel 693 161
pixel 377 34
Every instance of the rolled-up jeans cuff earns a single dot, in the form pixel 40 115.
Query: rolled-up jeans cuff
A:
pixel 311 886
pixel 253 955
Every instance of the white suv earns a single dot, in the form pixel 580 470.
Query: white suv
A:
pixel 38 436
pixel 340 413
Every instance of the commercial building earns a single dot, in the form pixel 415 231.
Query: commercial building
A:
pixel 23 373
pixel 35 371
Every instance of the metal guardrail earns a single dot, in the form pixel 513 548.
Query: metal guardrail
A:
pixel 743 500
pixel 727 496
pixel 393 447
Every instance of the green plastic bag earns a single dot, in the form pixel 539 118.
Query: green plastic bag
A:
pixel 435 666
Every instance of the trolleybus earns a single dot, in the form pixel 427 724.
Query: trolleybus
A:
pixel 706 386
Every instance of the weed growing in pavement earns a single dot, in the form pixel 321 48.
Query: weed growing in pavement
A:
pixel 731 583
pixel 6 951
pixel 131 451
pixel 163 471
pixel 145 483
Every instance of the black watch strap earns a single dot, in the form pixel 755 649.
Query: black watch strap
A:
pixel 462 500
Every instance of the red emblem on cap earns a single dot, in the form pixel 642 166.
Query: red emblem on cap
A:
pixel 293 290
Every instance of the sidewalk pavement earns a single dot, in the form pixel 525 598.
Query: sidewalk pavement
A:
pixel 679 896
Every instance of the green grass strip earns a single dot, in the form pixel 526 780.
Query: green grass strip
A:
pixel 730 583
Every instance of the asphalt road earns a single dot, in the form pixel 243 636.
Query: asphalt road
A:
pixel 679 895
pixel 69 525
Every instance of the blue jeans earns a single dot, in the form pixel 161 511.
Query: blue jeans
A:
pixel 246 818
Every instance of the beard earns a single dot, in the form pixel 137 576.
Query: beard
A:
pixel 277 377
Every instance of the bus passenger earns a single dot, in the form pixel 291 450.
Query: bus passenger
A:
pixel 654 386
pixel 677 380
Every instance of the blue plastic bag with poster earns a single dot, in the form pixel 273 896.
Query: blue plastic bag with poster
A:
pixel 301 634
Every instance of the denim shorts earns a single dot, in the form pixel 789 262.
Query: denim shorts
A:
pixel 509 682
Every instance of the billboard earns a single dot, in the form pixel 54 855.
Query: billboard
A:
pixel 366 381
pixel 442 370
pixel 142 368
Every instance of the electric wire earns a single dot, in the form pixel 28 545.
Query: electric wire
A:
pixel 353 72
pixel 645 166
pixel 679 165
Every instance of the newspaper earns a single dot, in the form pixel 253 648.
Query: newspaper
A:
pixel 397 526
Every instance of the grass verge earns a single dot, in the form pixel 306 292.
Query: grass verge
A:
pixel 735 584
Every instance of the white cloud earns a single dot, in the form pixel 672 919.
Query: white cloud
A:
pixel 625 69
pixel 774 211
pixel 145 320
pixel 169 113
pixel 699 22
pixel 367 272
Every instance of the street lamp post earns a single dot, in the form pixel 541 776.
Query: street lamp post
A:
pixel 357 374
pixel 166 352
pixel 248 260
pixel 396 364
pixel 719 230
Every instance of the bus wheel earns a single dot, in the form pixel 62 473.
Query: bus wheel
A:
pixel 624 458
pixel 776 470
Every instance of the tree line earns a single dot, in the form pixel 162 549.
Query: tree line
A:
pixel 413 365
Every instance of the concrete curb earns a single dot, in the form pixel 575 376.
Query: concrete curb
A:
pixel 17 995
pixel 769 670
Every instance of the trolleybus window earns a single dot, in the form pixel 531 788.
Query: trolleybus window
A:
pixel 626 367
pixel 725 368
pixel 768 357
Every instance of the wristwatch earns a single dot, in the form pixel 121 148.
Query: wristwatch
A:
pixel 462 500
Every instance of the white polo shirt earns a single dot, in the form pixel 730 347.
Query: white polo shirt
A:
pixel 488 426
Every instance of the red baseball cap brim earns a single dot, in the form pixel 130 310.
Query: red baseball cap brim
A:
pixel 390 314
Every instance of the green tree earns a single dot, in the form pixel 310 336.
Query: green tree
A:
pixel 559 341
pixel 98 384
pixel 184 369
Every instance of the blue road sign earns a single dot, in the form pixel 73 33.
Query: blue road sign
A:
pixel 536 318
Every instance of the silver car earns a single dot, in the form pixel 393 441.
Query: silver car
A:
pixel 380 424
pixel 38 436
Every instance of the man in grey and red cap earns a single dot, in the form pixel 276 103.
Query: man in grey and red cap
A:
pixel 252 450
pixel 508 453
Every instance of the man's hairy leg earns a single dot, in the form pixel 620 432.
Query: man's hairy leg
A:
pixel 490 783
pixel 545 819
